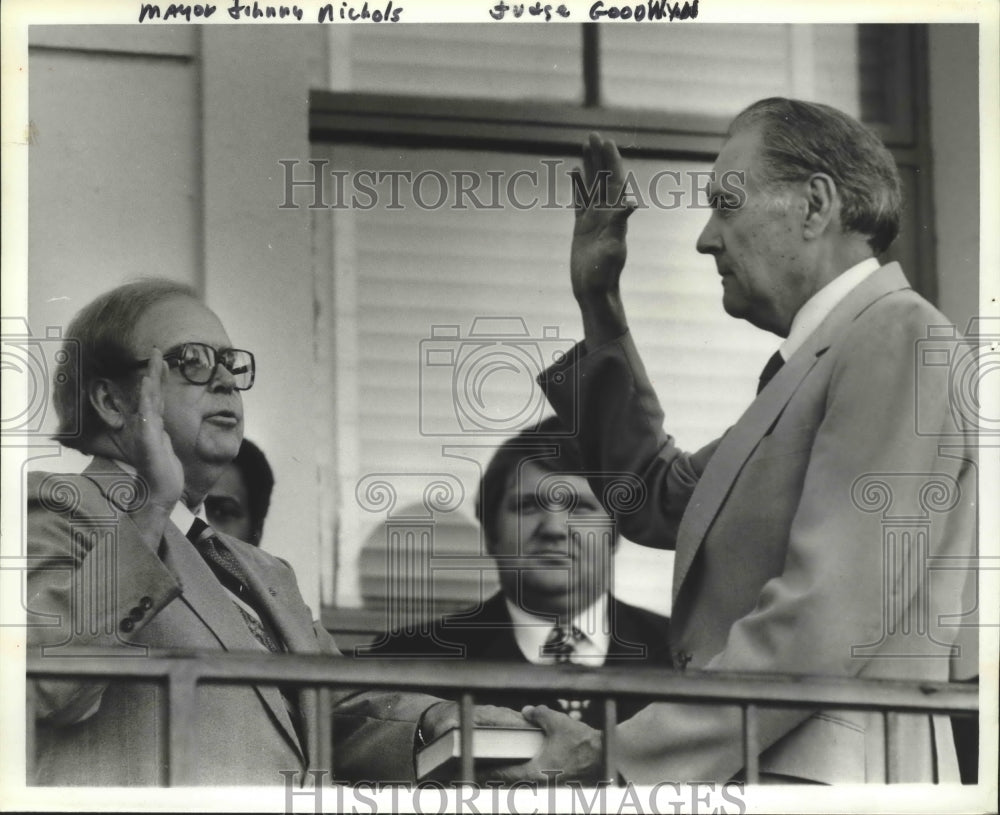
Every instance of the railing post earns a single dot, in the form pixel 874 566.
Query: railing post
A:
pixel 887 749
pixel 182 693
pixel 324 731
pixel 609 748
pixel 466 773
pixel 751 768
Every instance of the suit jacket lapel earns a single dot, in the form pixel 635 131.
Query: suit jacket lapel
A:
pixel 490 634
pixel 741 440
pixel 294 626
pixel 202 592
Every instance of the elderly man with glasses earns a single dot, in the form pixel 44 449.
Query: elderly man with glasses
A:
pixel 122 561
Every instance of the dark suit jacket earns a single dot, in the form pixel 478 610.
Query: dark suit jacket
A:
pixel 93 584
pixel 487 633
pixel 805 537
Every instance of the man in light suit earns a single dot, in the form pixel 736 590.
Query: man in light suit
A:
pixel 554 547
pixel 121 563
pixel 790 556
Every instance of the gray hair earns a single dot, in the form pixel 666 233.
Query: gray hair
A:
pixel 801 138
pixel 102 333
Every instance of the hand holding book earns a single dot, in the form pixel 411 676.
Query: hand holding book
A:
pixel 443 716
pixel 570 751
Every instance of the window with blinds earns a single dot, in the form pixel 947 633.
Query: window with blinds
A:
pixel 415 282
pixel 411 285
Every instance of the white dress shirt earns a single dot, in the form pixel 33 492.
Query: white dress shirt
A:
pixel 531 632
pixel 817 307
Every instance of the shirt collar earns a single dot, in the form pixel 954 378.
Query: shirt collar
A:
pixel 180 515
pixel 817 307
pixel 531 631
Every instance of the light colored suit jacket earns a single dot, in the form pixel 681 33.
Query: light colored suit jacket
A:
pixel 806 537
pixel 93 584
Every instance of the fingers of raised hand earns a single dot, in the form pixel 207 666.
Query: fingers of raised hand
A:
pixel 151 388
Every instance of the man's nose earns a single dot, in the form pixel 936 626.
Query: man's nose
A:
pixel 709 241
pixel 222 379
pixel 552 524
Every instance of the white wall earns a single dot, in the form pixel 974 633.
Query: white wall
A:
pixel 258 261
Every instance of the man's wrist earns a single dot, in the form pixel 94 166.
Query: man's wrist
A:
pixel 603 319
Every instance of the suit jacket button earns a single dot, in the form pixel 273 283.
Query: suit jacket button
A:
pixel 126 625
pixel 146 603
pixel 136 614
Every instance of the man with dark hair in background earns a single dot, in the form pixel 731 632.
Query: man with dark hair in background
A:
pixel 238 502
pixel 554 547
pixel 787 556
pixel 122 560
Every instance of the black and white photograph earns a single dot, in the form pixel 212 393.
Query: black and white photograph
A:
pixel 500 407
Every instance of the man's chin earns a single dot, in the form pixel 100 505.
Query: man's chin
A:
pixel 222 451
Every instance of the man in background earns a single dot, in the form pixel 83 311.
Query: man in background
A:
pixel 554 545
pixel 237 503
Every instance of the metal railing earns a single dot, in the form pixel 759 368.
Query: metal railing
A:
pixel 181 673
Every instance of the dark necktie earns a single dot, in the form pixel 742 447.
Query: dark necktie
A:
pixel 229 572
pixel 770 369
pixel 561 645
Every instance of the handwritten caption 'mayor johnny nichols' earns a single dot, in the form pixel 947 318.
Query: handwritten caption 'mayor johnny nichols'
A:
pixel 379 12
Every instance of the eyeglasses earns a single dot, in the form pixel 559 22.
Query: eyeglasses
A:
pixel 197 363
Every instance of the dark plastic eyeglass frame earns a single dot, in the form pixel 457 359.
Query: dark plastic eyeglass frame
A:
pixel 173 358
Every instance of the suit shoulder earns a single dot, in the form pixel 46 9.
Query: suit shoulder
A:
pixel 889 333
pixel 904 308
pixel 60 492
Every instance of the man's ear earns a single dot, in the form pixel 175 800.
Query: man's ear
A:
pixel 822 205
pixel 110 402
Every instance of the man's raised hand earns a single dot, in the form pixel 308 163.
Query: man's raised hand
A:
pixel 154 456
pixel 598 252
pixel 602 209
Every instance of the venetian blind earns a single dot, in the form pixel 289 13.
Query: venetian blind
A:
pixel 419 280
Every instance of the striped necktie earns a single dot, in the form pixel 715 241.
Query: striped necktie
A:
pixel 561 645
pixel 231 574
